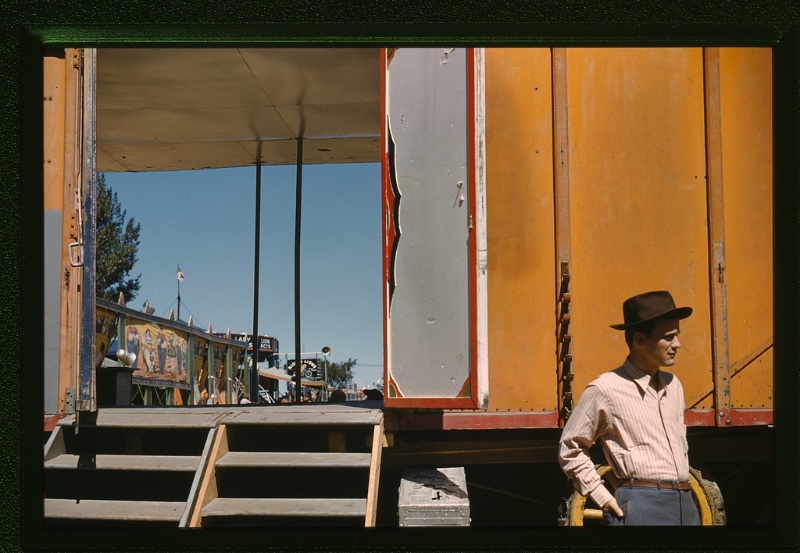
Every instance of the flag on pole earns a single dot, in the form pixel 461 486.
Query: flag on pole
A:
pixel 180 274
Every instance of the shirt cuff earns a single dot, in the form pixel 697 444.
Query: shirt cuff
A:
pixel 601 495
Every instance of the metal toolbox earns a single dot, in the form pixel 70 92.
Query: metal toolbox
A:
pixel 434 497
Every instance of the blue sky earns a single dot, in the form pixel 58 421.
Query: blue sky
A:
pixel 204 221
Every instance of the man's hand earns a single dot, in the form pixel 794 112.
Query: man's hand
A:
pixel 613 507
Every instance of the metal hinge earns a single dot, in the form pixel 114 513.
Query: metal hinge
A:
pixel 69 397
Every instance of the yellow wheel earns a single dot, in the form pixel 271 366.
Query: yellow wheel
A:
pixel 708 498
pixel 578 510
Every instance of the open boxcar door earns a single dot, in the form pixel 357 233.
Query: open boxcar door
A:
pixel 432 231
pixel 69 186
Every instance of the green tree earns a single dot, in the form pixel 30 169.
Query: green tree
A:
pixel 340 375
pixel 117 246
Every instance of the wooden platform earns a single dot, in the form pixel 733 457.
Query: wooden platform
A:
pixel 367 412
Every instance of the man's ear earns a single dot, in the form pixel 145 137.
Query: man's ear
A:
pixel 639 338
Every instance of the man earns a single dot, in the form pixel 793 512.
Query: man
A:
pixel 636 412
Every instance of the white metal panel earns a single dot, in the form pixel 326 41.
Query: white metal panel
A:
pixel 429 312
pixel 481 236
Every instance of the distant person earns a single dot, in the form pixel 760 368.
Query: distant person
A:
pixel 636 413
pixel 337 396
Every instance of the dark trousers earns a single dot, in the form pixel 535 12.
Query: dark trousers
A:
pixel 654 507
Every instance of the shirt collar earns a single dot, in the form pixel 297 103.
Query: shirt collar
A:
pixel 641 378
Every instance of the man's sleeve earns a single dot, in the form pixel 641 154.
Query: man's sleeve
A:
pixel 586 423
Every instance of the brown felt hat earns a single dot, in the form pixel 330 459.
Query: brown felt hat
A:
pixel 648 307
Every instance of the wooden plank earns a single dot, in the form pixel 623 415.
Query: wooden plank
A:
pixel 286 507
pixel 55 445
pixel 71 257
pixel 197 481
pixel 561 157
pixel 278 416
pixel 186 463
pixel 716 230
pixel 208 487
pixel 266 459
pixel 561 198
pixel 209 417
pixel 94 509
pixel 148 418
pixel 374 476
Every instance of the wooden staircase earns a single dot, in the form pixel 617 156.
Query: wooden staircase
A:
pixel 244 466
pixel 119 476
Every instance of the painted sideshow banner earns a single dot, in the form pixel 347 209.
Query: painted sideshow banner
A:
pixel 105 329
pixel 221 373
pixel 160 352
pixel 200 346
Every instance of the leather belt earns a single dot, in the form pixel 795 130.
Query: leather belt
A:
pixel 658 484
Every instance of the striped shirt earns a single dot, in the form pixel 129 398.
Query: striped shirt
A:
pixel 640 427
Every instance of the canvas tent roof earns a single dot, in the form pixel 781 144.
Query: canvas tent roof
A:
pixel 162 109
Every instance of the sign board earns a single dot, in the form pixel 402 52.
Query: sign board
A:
pixel 309 367
pixel 265 343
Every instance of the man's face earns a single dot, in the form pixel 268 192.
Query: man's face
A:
pixel 660 347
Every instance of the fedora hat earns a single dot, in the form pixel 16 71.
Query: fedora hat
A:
pixel 648 307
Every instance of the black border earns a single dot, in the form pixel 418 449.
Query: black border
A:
pixel 28 25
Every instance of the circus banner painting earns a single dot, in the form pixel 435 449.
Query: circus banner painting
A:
pixel 160 352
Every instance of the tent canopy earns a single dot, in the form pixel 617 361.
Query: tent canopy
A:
pixel 161 109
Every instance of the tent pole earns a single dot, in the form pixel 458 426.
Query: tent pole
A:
pixel 298 211
pixel 254 397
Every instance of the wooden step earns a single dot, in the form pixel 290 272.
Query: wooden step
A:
pixel 180 463
pixel 285 507
pixel 249 459
pixel 212 416
pixel 95 509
